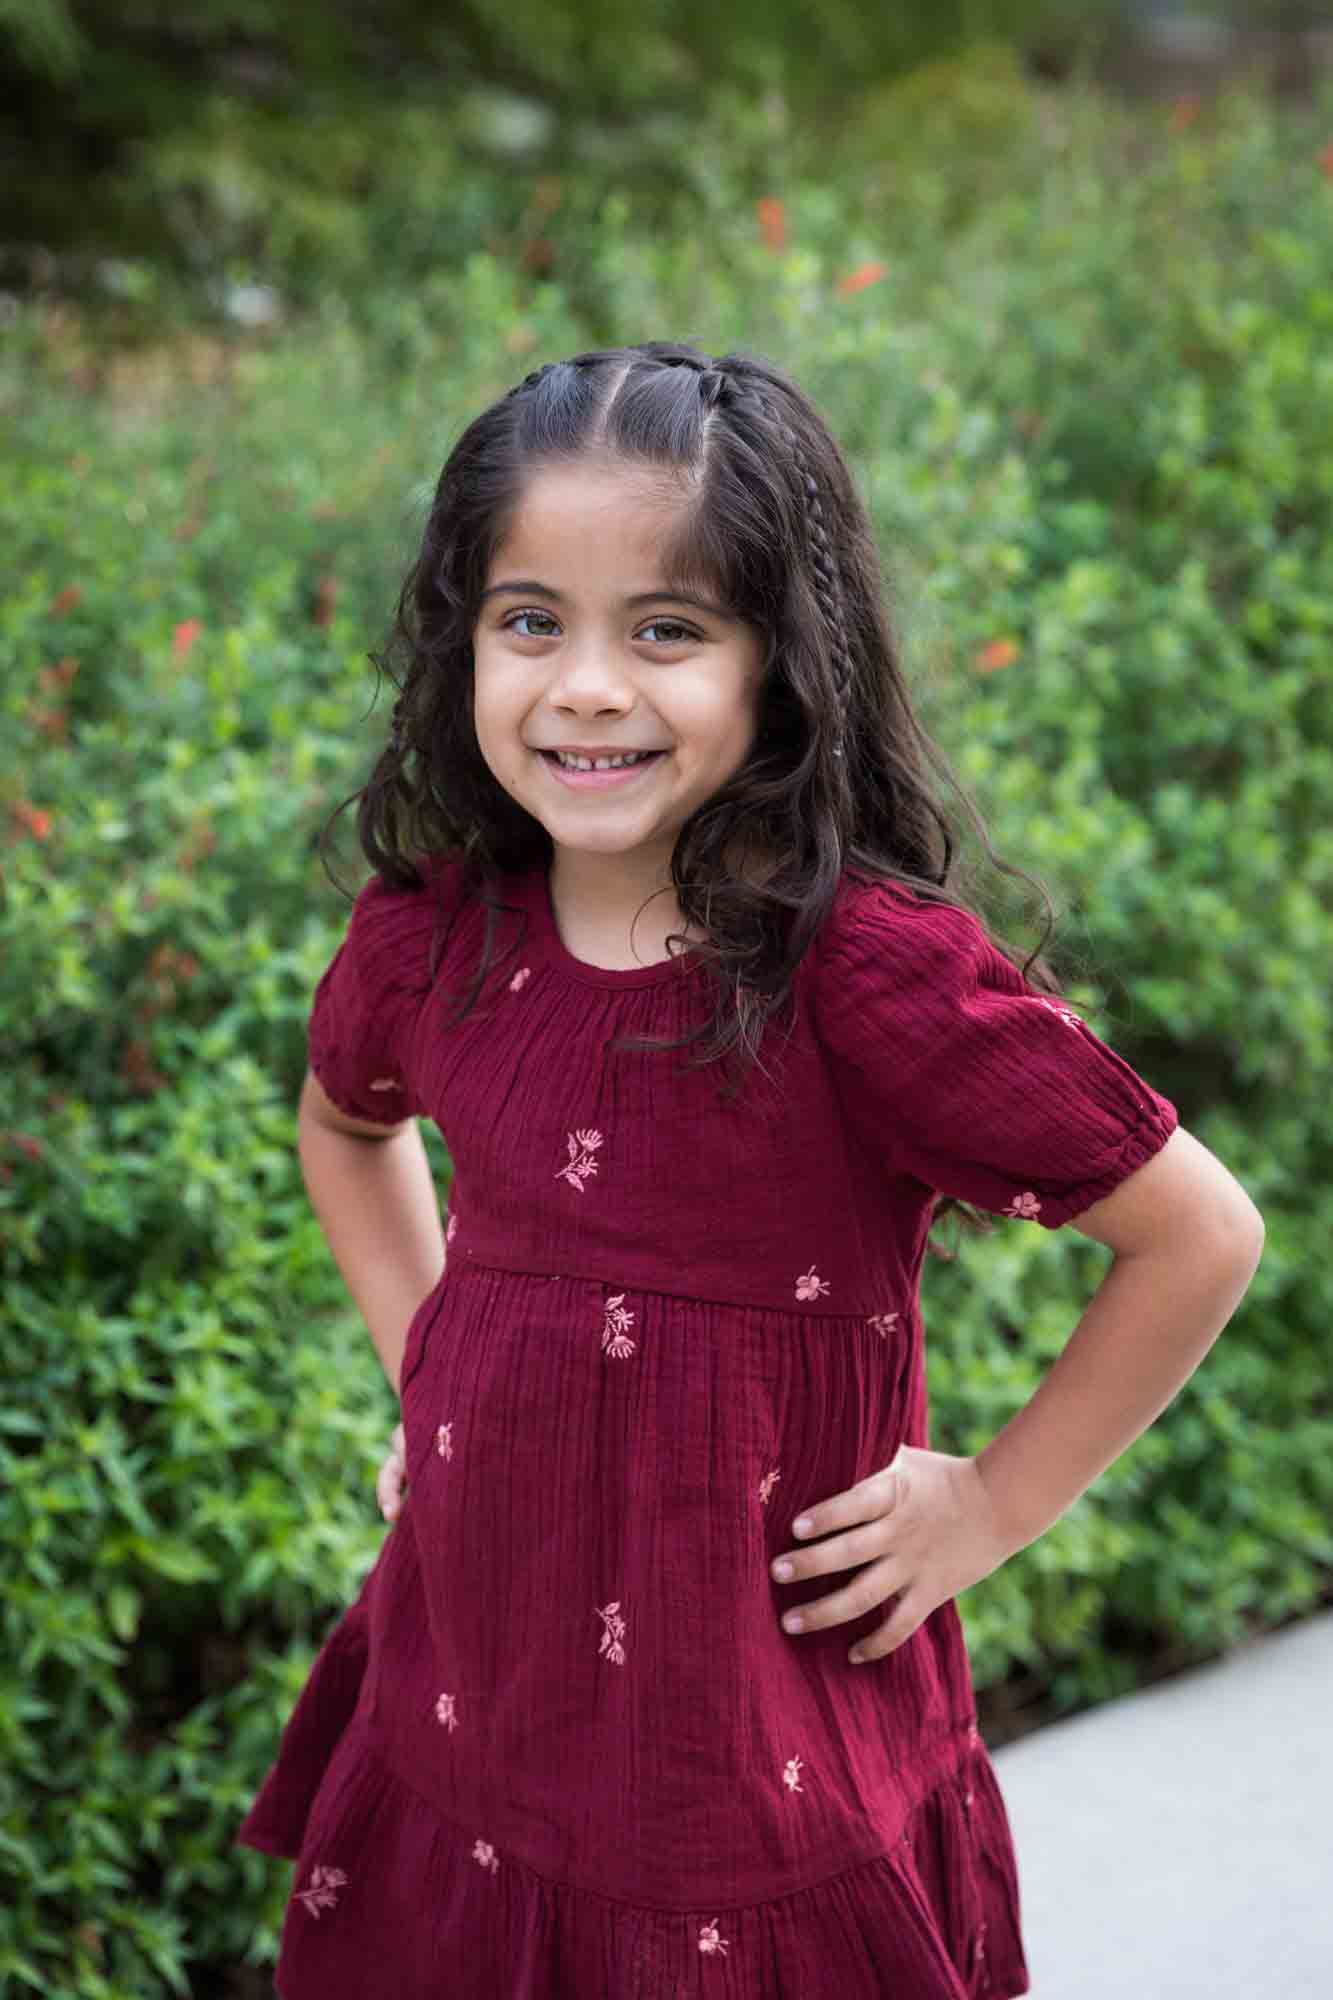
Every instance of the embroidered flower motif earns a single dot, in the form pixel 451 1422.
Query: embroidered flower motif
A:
pixel 883 1323
pixel 1023 1204
pixel 582 1146
pixel 709 1940
pixel 445 1713
pixel 614 1339
pixel 520 978
pixel 452 1230
pixel 485 1853
pixel 321 1895
pixel 808 1286
pixel 386 1083
pixel 790 1777
pixel 766 1485
pixel 444 1444
pixel 609 1646
pixel 1072 1020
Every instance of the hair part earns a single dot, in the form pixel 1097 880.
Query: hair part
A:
pixel 838 777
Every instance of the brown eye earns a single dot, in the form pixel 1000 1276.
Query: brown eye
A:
pixel 673 626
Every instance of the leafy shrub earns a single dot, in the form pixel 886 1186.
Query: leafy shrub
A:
pixel 1083 421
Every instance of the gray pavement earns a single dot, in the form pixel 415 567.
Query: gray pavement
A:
pixel 1177 1844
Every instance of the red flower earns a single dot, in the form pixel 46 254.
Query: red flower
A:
pixel 1184 112
pixel 999 653
pixel 66 601
pixel 772 222
pixel 1326 162
pixel 35 818
pixel 184 636
pixel 863 275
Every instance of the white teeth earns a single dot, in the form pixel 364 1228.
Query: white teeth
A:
pixel 576 763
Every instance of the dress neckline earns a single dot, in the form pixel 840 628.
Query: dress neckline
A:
pixel 536 889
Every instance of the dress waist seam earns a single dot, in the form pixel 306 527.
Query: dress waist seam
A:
pixel 620 1281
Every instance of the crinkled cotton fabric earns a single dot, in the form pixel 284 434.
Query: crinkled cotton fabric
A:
pixel 560 1746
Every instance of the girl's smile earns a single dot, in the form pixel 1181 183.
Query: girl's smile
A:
pixel 595 779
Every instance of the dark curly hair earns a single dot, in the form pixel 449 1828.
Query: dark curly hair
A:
pixel 836 780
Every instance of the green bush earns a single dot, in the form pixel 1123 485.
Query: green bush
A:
pixel 1084 421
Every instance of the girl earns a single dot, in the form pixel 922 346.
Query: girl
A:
pixel 572 1739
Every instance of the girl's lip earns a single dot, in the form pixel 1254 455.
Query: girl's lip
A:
pixel 597 781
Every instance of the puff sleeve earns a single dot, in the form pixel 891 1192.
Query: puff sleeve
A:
pixel 963 1076
pixel 359 1034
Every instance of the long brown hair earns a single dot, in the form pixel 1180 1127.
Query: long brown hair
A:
pixel 837 779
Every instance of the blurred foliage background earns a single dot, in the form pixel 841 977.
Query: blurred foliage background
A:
pixel 1070 317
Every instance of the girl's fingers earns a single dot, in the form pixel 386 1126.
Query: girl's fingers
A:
pixel 392 1477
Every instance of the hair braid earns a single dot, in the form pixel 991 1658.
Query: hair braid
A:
pixel 823 561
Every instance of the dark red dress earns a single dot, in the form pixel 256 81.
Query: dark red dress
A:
pixel 560 1747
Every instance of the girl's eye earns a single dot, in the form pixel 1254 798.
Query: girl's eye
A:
pixel 511 624
pixel 682 632
pixel 677 630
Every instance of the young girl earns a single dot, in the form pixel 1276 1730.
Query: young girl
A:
pixel 569 1741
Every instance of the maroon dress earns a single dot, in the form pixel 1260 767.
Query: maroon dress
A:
pixel 560 1747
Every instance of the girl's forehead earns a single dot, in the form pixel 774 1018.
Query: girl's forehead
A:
pixel 595 520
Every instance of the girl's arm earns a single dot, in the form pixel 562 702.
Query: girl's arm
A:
pixel 1187 1241
pixel 372 1189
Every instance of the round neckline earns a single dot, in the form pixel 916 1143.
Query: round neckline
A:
pixel 537 896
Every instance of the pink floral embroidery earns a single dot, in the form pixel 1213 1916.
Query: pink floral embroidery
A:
pixel 444 1444
pixel 790 1777
pixel 1072 1020
pixel 609 1646
pixel 614 1338
pixel 485 1853
pixel 324 1882
pixel 709 1940
pixel 452 1230
pixel 808 1286
pixel 582 1146
pixel 445 1712
pixel 520 978
pixel 386 1083
pixel 766 1485
pixel 883 1323
pixel 1023 1204
pixel 973 1735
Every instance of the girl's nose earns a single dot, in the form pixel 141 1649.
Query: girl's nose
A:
pixel 591 680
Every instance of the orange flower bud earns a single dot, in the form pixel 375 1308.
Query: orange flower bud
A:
pixel 999 653
pixel 863 275
pixel 772 222
pixel 184 636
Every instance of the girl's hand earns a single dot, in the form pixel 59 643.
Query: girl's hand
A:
pixel 392 1481
pixel 925 1529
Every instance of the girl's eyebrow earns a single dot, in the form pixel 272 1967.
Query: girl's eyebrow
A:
pixel 529 587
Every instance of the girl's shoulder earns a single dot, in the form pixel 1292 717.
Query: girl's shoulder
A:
pixel 884 940
pixel 394 926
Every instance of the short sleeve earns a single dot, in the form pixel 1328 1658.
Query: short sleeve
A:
pixel 967 1078
pixel 366 1003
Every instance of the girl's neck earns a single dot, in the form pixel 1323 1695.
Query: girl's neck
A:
pixel 596 907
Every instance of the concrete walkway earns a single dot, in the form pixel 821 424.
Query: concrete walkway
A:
pixel 1178 1844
